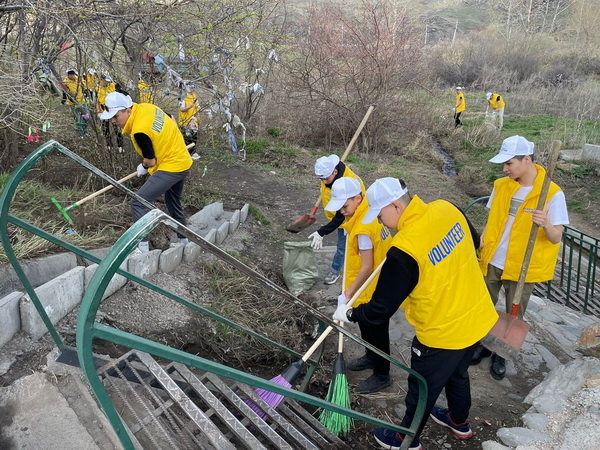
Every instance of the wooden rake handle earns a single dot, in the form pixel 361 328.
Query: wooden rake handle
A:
pixel 329 329
pixel 534 228
pixel 348 148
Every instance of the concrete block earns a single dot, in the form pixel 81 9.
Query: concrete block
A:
pixel 234 221
pixel 222 233
pixel 191 252
pixel 10 319
pixel 116 283
pixel 202 216
pixel 211 236
pixel 144 265
pixel 58 297
pixel 244 212
pixel 38 271
pixel 171 258
pixel 217 209
pixel 98 253
pixel 591 152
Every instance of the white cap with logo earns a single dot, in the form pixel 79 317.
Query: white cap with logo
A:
pixel 343 189
pixel 325 165
pixel 511 147
pixel 115 102
pixel 380 194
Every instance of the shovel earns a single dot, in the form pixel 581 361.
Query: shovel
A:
pixel 307 220
pixel 507 335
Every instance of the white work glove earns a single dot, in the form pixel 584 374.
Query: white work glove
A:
pixel 340 313
pixel 342 300
pixel 317 240
pixel 141 170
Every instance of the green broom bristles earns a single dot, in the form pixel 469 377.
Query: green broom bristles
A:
pixel 338 393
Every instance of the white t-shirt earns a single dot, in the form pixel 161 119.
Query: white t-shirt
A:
pixel 557 214
pixel 364 242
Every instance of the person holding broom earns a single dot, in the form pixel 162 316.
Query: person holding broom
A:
pixel 366 246
pixel 512 207
pixel 431 269
pixel 328 169
pixel 157 139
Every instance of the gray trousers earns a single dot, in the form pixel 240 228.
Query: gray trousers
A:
pixel 494 283
pixel 168 183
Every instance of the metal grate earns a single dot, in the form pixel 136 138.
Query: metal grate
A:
pixel 173 407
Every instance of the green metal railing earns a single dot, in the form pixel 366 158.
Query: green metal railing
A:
pixel 88 329
pixel 576 281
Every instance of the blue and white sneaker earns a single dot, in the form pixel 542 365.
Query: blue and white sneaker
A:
pixel 442 416
pixel 392 440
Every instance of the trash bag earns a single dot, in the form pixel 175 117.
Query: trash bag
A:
pixel 299 266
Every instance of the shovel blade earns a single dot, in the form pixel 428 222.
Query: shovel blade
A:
pixel 300 223
pixel 506 336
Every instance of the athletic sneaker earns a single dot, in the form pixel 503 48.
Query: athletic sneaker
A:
pixel 374 383
pixel 392 440
pixel 331 278
pixel 363 363
pixel 442 416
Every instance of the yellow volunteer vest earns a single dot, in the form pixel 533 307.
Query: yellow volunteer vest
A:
pixel 326 192
pixel 145 92
pixel 185 116
pixel 380 237
pixel 450 307
pixel 103 91
pixel 75 89
pixel 169 148
pixel 497 102
pixel 463 105
pixel 545 253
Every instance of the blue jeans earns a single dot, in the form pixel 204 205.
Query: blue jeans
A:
pixel 338 258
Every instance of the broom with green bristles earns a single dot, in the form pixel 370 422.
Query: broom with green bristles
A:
pixel 338 393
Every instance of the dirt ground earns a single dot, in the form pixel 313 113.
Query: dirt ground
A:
pixel 282 190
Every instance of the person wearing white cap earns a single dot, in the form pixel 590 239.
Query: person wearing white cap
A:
pixel 157 139
pixel 431 269
pixel 366 246
pixel 460 104
pixel 328 169
pixel 496 102
pixel 512 207
pixel 73 96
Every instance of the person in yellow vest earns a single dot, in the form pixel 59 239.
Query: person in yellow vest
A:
pixel 431 270
pixel 73 96
pixel 512 207
pixel 328 169
pixel 90 85
pixel 112 134
pixel 157 139
pixel 144 91
pixel 366 246
pixel 189 115
pixel 460 104
pixel 496 102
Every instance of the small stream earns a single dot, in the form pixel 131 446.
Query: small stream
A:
pixel 448 165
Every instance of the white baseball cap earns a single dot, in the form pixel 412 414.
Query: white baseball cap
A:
pixel 325 165
pixel 115 102
pixel 341 190
pixel 458 88
pixel 488 95
pixel 511 147
pixel 380 194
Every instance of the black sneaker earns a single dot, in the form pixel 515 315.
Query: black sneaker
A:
pixel 374 383
pixel 498 367
pixel 480 353
pixel 363 363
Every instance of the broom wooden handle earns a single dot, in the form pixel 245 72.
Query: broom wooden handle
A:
pixel 344 272
pixel 348 148
pixel 534 228
pixel 329 329
pixel 110 186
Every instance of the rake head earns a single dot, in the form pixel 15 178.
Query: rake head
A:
pixel 62 210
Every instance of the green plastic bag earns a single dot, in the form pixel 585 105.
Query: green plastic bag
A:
pixel 299 266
